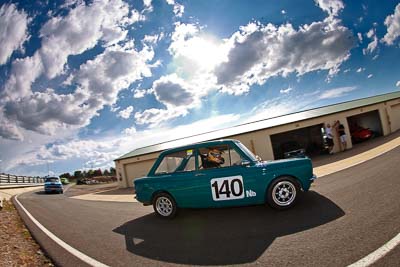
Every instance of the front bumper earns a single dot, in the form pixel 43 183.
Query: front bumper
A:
pixel 313 178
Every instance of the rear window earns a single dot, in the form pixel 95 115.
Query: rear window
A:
pixel 53 179
pixel 181 161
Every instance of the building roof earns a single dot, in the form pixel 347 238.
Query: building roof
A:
pixel 262 124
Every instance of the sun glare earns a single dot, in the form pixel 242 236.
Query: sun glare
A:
pixel 204 52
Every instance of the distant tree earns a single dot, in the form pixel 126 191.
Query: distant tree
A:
pixel 78 175
pixel 106 173
pixel 97 173
pixel 112 171
pixel 65 175
pixel 90 173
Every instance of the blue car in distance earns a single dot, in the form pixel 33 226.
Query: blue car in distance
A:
pixel 53 184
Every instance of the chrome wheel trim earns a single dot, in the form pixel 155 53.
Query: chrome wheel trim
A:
pixel 284 193
pixel 164 206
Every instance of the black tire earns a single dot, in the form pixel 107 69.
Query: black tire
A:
pixel 164 206
pixel 283 193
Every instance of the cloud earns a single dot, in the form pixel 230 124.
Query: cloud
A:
pixel 194 51
pixel 81 29
pixel 337 92
pixel 23 73
pixel 102 78
pixel 101 152
pixel 283 12
pixel 372 46
pixel 44 112
pixel 398 84
pixel 250 56
pixel 275 107
pixel 178 8
pixel 129 131
pixel 138 93
pixel 9 130
pixel 13 30
pixel 370 76
pixel 360 70
pixel 147 3
pixel 126 113
pixel 286 91
pixel 153 116
pixel 97 82
pixel 332 7
pixel 259 52
pixel 173 91
pixel 392 23
pixel 360 38
pixel 153 39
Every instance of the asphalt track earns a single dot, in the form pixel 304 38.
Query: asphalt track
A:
pixel 344 217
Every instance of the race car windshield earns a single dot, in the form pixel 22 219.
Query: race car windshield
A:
pixel 247 151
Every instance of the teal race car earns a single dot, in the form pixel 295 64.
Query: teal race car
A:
pixel 221 174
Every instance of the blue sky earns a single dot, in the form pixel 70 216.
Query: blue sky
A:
pixel 83 82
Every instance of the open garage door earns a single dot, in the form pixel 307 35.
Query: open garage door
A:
pixel 310 139
pixel 365 126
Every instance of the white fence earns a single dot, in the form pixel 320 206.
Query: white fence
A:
pixel 6 179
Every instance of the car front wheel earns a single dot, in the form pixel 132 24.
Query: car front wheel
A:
pixel 283 193
pixel 164 206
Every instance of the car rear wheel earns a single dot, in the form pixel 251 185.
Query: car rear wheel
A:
pixel 164 206
pixel 283 193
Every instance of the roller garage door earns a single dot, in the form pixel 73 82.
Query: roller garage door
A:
pixel 137 170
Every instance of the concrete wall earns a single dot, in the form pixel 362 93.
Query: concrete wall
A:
pixel 259 142
pixel 394 117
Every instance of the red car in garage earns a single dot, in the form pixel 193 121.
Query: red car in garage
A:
pixel 359 134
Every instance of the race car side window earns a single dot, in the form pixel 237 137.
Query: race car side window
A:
pixel 218 157
pixel 236 159
pixel 177 162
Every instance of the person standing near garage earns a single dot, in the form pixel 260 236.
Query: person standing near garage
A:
pixel 329 138
pixel 342 135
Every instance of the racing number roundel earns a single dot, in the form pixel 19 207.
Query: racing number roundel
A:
pixel 227 188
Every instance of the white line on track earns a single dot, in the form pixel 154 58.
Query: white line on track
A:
pixel 377 254
pixel 61 243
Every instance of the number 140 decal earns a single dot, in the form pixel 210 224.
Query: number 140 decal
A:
pixel 227 188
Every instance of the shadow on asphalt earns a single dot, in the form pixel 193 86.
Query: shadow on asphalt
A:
pixel 223 236
pixel 44 193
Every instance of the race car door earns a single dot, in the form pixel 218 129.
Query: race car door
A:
pixel 221 168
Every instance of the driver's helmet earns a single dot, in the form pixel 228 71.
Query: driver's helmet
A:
pixel 215 155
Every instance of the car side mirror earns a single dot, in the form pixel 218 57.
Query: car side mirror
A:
pixel 246 163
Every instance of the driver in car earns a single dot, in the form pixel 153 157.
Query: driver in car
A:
pixel 213 159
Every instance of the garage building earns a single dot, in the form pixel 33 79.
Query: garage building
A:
pixel 271 138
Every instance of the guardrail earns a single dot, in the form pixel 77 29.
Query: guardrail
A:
pixel 6 179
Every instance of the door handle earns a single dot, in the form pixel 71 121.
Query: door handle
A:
pixel 199 174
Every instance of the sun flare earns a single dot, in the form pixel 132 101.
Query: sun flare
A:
pixel 204 52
